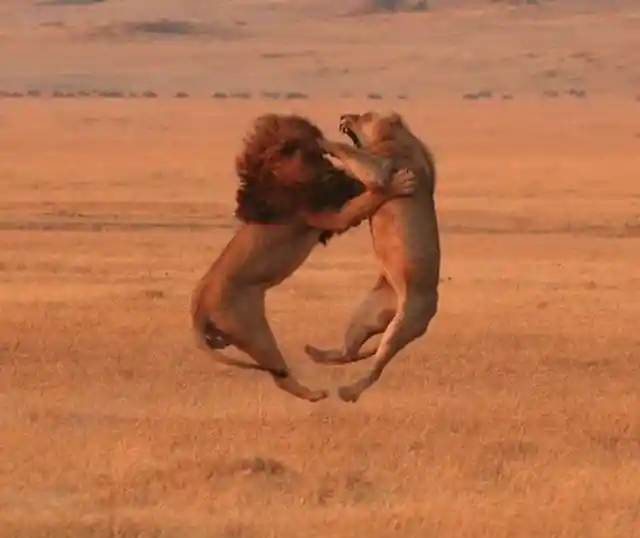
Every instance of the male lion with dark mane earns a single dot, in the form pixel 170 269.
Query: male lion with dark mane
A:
pixel 406 241
pixel 291 197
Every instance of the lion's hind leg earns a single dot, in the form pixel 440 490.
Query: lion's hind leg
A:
pixel 370 318
pixel 255 338
pixel 211 338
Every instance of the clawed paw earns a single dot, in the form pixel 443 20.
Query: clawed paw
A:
pixel 312 351
pixel 318 395
pixel 322 356
pixel 404 182
pixel 327 146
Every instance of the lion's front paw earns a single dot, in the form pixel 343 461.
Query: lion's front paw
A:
pixel 403 183
pixel 326 146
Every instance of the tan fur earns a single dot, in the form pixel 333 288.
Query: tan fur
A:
pixel 290 197
pixel 406 240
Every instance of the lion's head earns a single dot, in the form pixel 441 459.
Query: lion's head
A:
pixel 388 135
pixel 282 169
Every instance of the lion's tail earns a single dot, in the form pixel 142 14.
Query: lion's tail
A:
pixel 213 339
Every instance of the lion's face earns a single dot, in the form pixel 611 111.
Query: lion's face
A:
pixel 364 129
pixel 282 168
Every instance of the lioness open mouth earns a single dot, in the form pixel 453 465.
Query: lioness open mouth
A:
pixel 345 129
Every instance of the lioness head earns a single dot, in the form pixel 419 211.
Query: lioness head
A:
pixel 365 129
pixel 389 135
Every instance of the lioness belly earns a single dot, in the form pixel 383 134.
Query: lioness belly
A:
pixel 406 241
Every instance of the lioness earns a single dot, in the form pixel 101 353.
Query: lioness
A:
pixel 291 197
pixel 406 241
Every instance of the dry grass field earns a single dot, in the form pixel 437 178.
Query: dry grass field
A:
pixel 517 415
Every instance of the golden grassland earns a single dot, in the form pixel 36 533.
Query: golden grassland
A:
pixel 515 416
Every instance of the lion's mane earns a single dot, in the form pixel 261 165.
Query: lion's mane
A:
pixel 282 169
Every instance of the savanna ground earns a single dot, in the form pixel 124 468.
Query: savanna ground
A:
pixel 516 416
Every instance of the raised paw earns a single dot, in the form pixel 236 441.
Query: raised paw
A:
pixel 322 356
pixel 292 386
pixel 317 395
pixel 327 146
pixel 403 183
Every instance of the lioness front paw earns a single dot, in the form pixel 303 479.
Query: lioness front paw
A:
pixel 403 183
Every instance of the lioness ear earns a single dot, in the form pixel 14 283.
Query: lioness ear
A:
pixel 394 119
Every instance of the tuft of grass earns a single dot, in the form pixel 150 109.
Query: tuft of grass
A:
pixel 367 7
pixel 240 95
pixel 111 94
pixel 482 94
pixel 575 92
pixel 71 2
pixel 4 93
pixel 295 95
pixel 154 294
pixel 260 465
pixel 162 28
pixel 165 26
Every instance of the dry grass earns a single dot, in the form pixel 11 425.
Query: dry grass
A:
pixel 515 416
pixel 458 46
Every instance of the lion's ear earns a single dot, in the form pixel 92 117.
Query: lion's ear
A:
pixel 288 148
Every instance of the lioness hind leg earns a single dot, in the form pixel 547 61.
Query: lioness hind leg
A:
pixel 410 322
pixel 260 344
pixel 371 317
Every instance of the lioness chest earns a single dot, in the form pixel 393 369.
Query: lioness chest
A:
pixel 406 230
